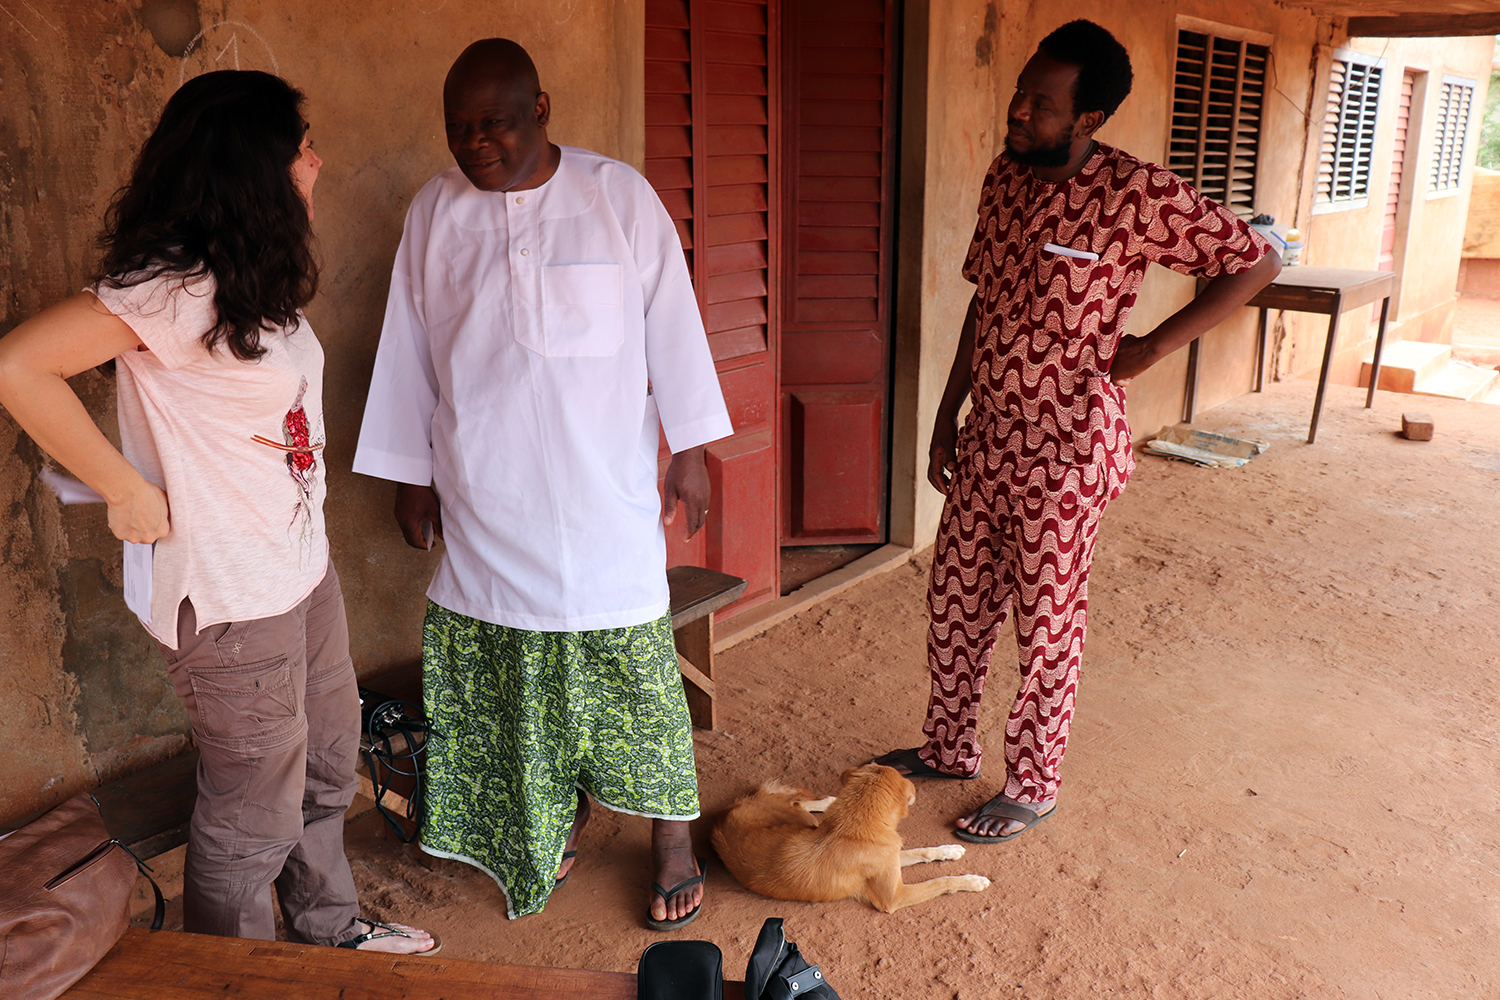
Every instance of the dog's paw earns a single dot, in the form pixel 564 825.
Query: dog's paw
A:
pixel 947 852
pixel 973 883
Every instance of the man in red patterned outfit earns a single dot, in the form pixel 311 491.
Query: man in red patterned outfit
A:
pixel 1067 227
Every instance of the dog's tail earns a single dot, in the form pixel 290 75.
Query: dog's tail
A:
pixel 774 787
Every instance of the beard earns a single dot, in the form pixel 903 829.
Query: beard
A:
pixel 1056 154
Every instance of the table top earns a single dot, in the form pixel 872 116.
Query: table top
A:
pixel 1314 289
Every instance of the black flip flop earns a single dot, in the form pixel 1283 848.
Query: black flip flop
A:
pixel 564 880
pixel 916 767
pixel 1004 807
pixel 666 897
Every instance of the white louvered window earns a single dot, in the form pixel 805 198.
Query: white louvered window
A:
pixel 1349 131
pixel 1216 114
pixel 1449 133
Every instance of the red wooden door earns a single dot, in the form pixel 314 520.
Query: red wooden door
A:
pixel 838 150
pixel 1387 259
pixel 711 95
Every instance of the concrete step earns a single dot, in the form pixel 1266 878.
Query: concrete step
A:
pixel 1480 354
pixel 1461 380
pixel 1406 363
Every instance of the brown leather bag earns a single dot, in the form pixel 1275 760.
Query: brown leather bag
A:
pixel 65 888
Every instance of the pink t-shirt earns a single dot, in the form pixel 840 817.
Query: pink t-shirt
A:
pixel 236 445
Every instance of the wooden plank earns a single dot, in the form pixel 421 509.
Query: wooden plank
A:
pixel 166 965
pixel 745 18
pixel 666 43
pixel 724 78
pixel 840 213
pixel 667 13
pixel 733 315
pixel 1425 25
pixel 726 345
pixel 1203 88
pixel 697 592
pixel 733 257
pixel 838 238
pixel 733 287
pixel 698 691
pixel 746 228
pixel 736 199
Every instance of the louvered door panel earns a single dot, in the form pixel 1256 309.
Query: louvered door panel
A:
pixel 1387 258
pixel 669 114
pixel 835 340
pixel 1348 132
pixel 1449 134
pixel 1218 93
pixel 709 148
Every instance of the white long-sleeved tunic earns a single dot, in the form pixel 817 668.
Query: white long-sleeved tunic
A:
pixel 534 341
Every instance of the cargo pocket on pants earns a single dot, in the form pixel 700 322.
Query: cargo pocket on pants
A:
pixel 246 707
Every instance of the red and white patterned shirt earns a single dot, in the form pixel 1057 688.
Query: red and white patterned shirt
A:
pixel 1050 323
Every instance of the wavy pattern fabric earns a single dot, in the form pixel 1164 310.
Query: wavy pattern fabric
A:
pixel 1047 445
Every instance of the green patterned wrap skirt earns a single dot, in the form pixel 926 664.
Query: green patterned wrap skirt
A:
pixel 529 717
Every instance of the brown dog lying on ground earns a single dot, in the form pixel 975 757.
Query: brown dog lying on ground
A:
pixel 774 845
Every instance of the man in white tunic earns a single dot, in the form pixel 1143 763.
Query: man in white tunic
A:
pixel 541 331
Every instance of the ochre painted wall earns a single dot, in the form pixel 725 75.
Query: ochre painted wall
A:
pixel 81 84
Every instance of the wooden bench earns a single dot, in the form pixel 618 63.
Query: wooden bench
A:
pixel 149 810
pixel 167 965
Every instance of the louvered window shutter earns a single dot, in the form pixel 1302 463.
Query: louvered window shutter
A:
pixel 1349 133
pixel 1216 115
pixel 1449 134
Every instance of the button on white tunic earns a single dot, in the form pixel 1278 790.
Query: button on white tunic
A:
pixel 533 343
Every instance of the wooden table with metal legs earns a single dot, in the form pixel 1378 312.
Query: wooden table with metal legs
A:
pixel 1329 291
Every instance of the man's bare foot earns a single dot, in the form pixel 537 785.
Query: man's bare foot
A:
pixel 672 863
pixel 986 822
pixel 570 846
pixel 392 939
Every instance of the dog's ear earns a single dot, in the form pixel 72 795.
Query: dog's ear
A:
pixel 849 772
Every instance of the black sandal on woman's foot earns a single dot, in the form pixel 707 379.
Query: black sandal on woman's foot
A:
pixel 666 899
pixel 916 767
pixel 382 930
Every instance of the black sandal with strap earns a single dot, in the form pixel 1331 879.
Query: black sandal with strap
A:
pixel 1009 809
pixel 666 898
pixel 562 880
pixel 911 759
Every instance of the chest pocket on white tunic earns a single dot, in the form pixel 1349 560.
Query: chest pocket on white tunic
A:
pixel 582 311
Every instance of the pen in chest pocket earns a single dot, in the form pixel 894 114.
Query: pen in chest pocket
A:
pixel 1070 252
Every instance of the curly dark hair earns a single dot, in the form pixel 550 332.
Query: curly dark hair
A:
pixel 212 193
pixel 1104 74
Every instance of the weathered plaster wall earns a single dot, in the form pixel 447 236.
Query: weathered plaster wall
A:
pixel 962 68
pixel 1432 226
pixel 81 83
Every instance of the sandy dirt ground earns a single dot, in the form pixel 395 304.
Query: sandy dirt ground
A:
pixel 1282 780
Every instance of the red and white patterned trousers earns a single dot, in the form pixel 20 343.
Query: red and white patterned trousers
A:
pixel 1014 538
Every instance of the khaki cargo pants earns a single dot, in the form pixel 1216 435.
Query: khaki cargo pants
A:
pixel 275 709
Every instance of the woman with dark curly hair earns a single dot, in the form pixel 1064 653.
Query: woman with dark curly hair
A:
pixel 207 265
